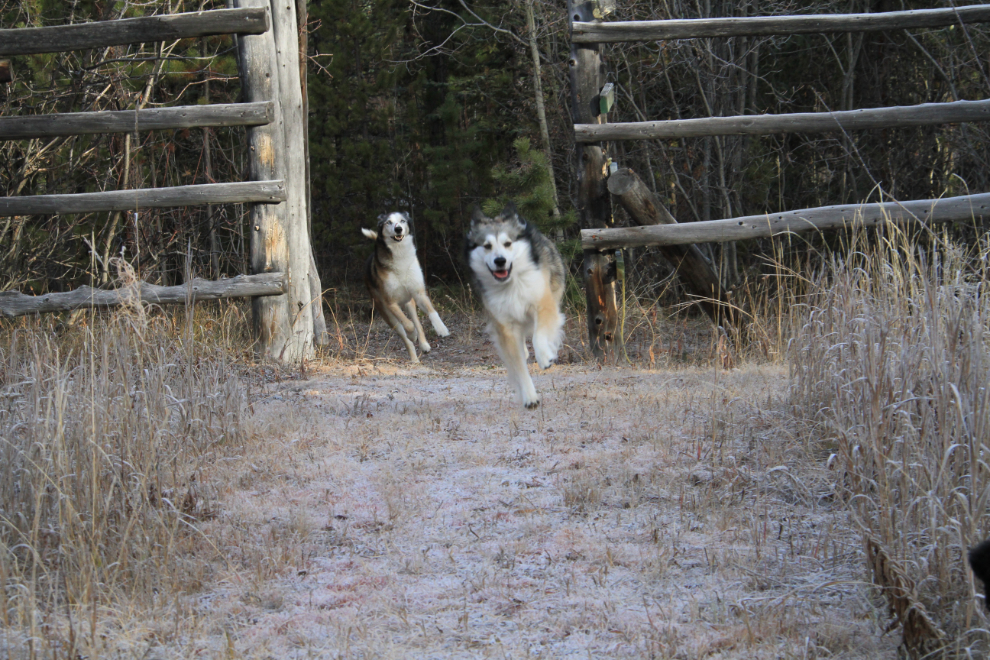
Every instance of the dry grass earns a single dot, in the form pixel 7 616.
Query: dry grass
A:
pixel 167 498
pixel 107 428
pixel 891 361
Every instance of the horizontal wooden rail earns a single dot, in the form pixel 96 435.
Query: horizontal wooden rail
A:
pixel 805 122
pixel 268 192
pixel 128 121
pixel 690 28
pixel 168 27
pixel 947 209
pixel 14 303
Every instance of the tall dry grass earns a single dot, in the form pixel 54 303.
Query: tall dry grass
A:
pixel 105 428
pixel 890 359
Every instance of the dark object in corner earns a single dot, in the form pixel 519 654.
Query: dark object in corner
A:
pixel 979 561
pixel 6 75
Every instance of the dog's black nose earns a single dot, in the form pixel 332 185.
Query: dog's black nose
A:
pixel 398 230
pixel 500 261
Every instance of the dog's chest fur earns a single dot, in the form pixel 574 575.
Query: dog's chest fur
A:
pixel 402 274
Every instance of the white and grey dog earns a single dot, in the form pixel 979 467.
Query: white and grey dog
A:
pixel 520 277
pixel 395 280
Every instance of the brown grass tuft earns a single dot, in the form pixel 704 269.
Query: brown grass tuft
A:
pixel 890 361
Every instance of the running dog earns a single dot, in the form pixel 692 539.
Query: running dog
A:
pixel 395 280
pixel 520 277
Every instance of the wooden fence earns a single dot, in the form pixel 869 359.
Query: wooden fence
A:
pixel 592 101
pixel 284 284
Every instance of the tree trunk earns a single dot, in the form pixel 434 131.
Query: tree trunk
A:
pixel 541 111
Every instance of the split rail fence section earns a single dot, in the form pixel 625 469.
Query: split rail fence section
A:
pixel 284 284
pixel 592 100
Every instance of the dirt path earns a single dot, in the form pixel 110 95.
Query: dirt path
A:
pixel 419 512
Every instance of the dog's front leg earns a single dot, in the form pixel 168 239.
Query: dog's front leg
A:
pixel 548 334
pixel 511 344
pixel 425 303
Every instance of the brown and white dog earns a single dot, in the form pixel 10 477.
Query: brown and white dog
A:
pixel 395 281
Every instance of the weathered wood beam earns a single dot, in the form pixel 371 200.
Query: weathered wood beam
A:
pixel 285 30
pixel 129 121
pixel 593 206
pixel 58 38
pixel 695 271
pixel 947 209
pixel 256 62
pixel 805 122
pixel 690 28
pixel 14 303
pixel 268 192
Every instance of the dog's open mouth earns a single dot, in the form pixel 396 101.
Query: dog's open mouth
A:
pixel 398 237
pixel 502 274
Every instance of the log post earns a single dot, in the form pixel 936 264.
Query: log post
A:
pixel 269 249
pixel 594 210
pixel 695 271
pixel 302 300
pixel 320 336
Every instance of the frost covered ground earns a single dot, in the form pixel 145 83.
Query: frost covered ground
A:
pixel 399 511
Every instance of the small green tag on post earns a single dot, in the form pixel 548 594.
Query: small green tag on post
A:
pixel 606 98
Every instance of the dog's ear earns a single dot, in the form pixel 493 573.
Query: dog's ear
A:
pixel 382 219
pixel 477 216
pixel 511 214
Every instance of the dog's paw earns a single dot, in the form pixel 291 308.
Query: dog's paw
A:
pixel 532 405
pixel 425 347
pixel 545 358
pixel 438 326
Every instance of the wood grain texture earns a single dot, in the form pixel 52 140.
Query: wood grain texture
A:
pixel 59 38
pixel 130 121
pixel 268 192
pixel 948 209
pixel 14 303
pixel 805 122
pixel 593 206
pixel 256 62
pixel 690 28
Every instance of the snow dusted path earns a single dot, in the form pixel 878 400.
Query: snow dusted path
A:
pixel 418 512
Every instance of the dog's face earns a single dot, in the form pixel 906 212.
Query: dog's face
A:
pixel 494 245
pixel 394 226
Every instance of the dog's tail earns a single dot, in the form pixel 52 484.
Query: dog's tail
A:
pixel 373 235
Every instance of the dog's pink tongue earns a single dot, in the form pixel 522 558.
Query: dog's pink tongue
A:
pixel 500 274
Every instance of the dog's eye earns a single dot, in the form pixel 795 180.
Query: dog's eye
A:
pixel 507 244
pixel 488 246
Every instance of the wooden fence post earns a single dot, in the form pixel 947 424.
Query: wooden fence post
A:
pixel 594 209
pixel 320 335
pixel 269 248
pixel 291 122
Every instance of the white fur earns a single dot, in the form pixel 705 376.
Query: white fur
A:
pixel 402 286
pixel 513 304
